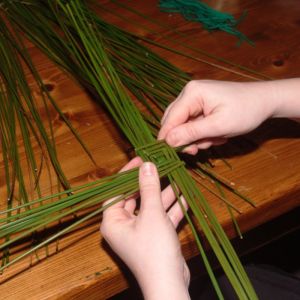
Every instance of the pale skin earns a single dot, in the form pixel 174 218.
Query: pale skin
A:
pixel 150 237
pixel 206 113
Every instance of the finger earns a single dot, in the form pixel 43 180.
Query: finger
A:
pixel 165 121
pixel 192 149
pixel 130 203
pixel 176 213
pixel 187 105
pixel 134 163
pixel 167 112
pixel 175 115
pixel 168 197
pixel 206 143
pixel 170 106
pixel 150 189
pixel 198 129
pixel 219 141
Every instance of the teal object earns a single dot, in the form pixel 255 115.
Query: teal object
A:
pixel 197 11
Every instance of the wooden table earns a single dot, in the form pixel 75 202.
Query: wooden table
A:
pixel 266 164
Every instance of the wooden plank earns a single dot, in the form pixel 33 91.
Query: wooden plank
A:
pixel 266 164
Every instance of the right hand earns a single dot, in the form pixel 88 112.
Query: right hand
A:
pixel 208 112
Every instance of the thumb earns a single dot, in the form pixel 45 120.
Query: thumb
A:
pixel 187 133
pixel 150 189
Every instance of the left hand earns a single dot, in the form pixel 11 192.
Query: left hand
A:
pixel 148 242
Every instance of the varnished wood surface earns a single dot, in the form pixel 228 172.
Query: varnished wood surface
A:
pixel 266 164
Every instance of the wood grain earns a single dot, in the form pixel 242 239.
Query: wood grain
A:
pixel 266 163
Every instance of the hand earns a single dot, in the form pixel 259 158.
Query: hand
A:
pixel 148 242
pixel 208 112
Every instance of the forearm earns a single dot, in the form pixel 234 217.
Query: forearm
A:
pixel 286 97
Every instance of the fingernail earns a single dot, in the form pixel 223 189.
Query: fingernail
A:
pixel 147 169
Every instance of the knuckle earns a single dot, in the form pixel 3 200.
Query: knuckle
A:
pixel 192 85
pixel 175 219
pixel 167 127
pixel 192 132
pixel 149 187
pixel 172 138
pixel 104 230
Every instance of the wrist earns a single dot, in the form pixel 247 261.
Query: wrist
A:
pixel 271 99
pixel 164 288
pixel 276 98
pixel 286 95
pixel 160 284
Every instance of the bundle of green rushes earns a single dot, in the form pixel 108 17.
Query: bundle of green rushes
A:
pixel 108 62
